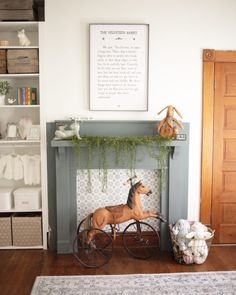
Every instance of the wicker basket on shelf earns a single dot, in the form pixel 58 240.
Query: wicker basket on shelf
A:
pixel 189 256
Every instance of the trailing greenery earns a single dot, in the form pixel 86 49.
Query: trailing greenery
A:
pixel 125 149
pixel 4 87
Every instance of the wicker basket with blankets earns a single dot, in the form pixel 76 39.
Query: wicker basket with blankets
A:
pixel 190 241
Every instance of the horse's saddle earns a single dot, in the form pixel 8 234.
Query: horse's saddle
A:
pixel 116 211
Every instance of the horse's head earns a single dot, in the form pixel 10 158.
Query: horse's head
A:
pixel 142 189
pixel 137 188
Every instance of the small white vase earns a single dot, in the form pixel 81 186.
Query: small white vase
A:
pixel 2 99
pixel 24 127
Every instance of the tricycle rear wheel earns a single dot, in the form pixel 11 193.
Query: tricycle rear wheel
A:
pixel 93 251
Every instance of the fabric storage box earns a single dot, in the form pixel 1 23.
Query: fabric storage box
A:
pixel 27 198
pixel 20 61
pixel 5 230
pixel 27 230
pixel 5 199
pixel 3 61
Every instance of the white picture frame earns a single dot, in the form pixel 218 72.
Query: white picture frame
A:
pixel 11 131
pixel 34 133
pixel 119 63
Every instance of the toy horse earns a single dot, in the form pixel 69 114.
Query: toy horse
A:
pixel 117 214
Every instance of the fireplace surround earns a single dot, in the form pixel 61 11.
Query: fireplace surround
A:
pixel 174 190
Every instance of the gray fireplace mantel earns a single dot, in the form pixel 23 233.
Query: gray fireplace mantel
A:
pixel 174 194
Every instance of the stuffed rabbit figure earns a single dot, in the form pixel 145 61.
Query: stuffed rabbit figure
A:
pixel 168 127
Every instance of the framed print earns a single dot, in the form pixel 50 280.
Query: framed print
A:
pixel 34 133
pixel 119 67
pixel 11 131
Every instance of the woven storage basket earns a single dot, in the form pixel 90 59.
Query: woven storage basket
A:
pixel 5 230
pixel 27 230
pixel 186 257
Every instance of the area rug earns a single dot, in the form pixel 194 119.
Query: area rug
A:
pixel 216 283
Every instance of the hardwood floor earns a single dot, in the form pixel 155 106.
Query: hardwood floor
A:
pixel 19 268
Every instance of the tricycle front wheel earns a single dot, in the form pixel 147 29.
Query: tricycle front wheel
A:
pixel 141 240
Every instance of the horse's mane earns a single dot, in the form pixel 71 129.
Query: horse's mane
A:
pixel 131 194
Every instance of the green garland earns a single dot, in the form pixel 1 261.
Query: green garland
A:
pixel 125 149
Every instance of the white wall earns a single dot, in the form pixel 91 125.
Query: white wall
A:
pixel 179 30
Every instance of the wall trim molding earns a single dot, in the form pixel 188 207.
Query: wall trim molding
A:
pixel 211 55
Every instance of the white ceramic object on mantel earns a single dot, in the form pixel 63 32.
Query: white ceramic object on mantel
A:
pixel 2 99
pixel 63 133
pixel 76 128
pixel 24 127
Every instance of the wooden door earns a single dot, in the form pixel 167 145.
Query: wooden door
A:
pixel 224 154
pixel 218 175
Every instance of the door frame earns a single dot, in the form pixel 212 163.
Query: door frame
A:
pixel 210 57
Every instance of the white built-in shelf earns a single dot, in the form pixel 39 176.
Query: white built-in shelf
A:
pixel 19 47
pixel 19 211
pixel 19 75
pixel 18 142
pixel 19 106
pixel 20 247
pixel 8 32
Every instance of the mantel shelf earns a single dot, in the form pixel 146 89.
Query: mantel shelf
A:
pixel 115 128
pixel 69 143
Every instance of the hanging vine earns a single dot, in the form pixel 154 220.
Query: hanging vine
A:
pixel 125 149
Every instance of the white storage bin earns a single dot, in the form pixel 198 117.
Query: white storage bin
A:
pixel 27 198
pixel 6 198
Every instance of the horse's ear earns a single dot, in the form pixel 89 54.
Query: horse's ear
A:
pixel 139 183
pixel 127 183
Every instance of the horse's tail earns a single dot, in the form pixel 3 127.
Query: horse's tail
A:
pixel 88 221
